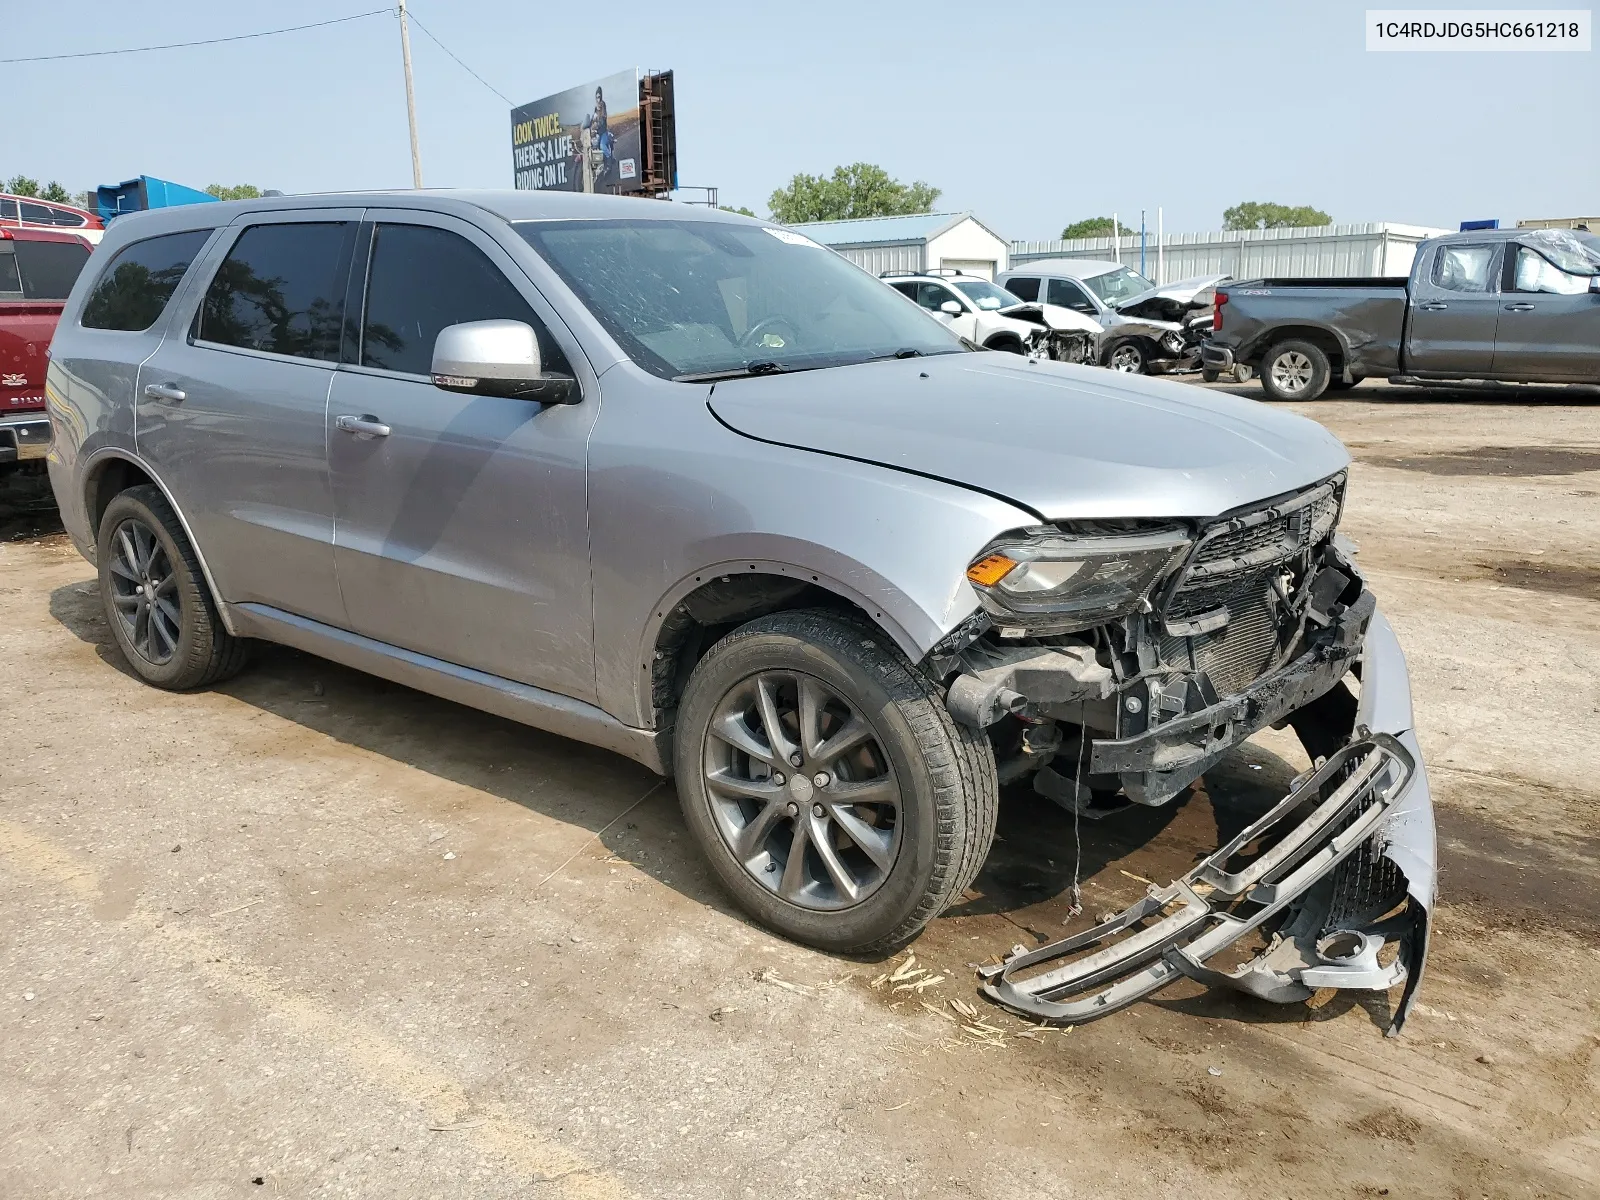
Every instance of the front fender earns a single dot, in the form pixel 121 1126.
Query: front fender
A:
pixel 677 499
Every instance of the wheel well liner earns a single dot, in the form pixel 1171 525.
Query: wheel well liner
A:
pixel 720 602
pixel 1325 339
pixel 110 476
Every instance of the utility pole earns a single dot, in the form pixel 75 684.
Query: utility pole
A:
pixel 411 98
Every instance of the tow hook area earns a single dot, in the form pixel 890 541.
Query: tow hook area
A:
pixel 1319 887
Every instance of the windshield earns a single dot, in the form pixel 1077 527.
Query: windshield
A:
pixel 702 297
pixel 1116 286
pixel 986 295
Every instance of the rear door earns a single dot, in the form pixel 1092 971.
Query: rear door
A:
pixel 1455 308
pixel 232 408
pixel 1549 321
pixel 462 531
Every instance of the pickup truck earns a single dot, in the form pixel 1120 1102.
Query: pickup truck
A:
pixel 37 270
pixel 1510 305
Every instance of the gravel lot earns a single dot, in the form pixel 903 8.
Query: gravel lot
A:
pixel 313 934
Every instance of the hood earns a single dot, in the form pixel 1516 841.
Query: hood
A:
pixel 1171 301
pixel 1052 316
pixel 1067 442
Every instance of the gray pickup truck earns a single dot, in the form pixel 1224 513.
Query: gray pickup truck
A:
pixel 1513 305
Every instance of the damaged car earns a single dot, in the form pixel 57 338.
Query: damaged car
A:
pixel 1149 330
pixel 995 319
pixel 697 490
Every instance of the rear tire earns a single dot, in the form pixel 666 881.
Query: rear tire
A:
pixel 933 792
pixel 1210 376
pixel 1295 370
pixel 156 599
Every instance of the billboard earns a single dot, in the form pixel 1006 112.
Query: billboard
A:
pixel 585 139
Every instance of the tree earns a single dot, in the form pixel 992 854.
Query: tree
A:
pixel 237 191
pixel 21 185
pixel 859 190
pixel 741 210
pixel 1090 227
pixel 1259 214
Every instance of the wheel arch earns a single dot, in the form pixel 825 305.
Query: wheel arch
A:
pixel 705 606
pixel 1325 338
pixel 113 471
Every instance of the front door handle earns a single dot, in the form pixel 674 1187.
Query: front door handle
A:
pixel 1433 306
pixel 367 426
pixel 1519 308
pixel 169 392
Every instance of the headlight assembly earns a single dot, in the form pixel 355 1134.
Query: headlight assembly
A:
pixel 1054 582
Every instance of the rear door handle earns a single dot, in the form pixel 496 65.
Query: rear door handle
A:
pixel 367 426
pixel 1519 307
pixel 1433 306
pixel 170 392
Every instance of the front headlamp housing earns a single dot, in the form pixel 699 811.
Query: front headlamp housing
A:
pixel 1049 581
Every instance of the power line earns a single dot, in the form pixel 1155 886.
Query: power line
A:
pixel 206 42
pixel 459 63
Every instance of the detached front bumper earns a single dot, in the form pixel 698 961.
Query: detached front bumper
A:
pixel 1328 892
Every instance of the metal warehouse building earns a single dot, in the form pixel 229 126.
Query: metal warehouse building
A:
pixel 923 242
pixel 1373 248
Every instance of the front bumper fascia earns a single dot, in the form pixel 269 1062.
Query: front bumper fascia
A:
pixel 1328 892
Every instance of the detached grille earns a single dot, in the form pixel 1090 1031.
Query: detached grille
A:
pixel 1233 568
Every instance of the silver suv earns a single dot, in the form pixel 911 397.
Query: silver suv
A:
pixel 695 489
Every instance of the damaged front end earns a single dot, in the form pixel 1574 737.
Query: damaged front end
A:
pixel 1255 619
pixel 1058 334
pixel 1174 320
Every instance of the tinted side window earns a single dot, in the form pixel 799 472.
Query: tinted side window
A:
pixel 1463 268
pixel 10 281
pixel 908 290
pixel 140 280
pixel 422 279
pixel 49 269
pixel 1024 288
pixel 1068 295
pixel 8 210
pixel 281 289
pixel 37 214
pixel 932 295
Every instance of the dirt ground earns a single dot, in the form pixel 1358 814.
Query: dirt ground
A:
pixel 312 934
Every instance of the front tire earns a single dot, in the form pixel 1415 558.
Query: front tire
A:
pixel 1295 370
pixel 832 793
pixel 1128 356
pixel 155 596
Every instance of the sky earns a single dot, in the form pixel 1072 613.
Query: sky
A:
pixel 1029 115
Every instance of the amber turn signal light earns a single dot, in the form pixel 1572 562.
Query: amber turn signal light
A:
pixel 990 570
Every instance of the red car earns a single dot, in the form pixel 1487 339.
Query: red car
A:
pixel 29 212
pixel 37 270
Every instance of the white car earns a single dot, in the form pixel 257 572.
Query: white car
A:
pixel 992 317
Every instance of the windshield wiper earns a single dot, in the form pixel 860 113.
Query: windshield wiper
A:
pixel 750 368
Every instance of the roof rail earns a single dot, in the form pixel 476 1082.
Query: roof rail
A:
pixel 936 272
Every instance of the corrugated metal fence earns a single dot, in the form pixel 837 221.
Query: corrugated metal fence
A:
pixel 1370 248
pixel 879 259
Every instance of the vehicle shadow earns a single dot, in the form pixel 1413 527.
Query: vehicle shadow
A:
pixel 1026 883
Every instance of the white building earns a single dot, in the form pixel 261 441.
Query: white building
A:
pixel 924 242
pixel 1372 248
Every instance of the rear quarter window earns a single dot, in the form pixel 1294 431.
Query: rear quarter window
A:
pixel 138 282
pixel 49 269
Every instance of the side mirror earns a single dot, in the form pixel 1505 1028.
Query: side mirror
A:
pixel 951 308
pixel 497 358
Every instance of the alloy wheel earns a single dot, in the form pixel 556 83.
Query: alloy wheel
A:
pixel 801 790
pixel 144 592
pixel 1291 372
pixel 1127 359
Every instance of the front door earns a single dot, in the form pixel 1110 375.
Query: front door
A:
pixel 462 532
pixel 1550 320
pixel 1455 306
pixel 934 296
pixel 232 408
